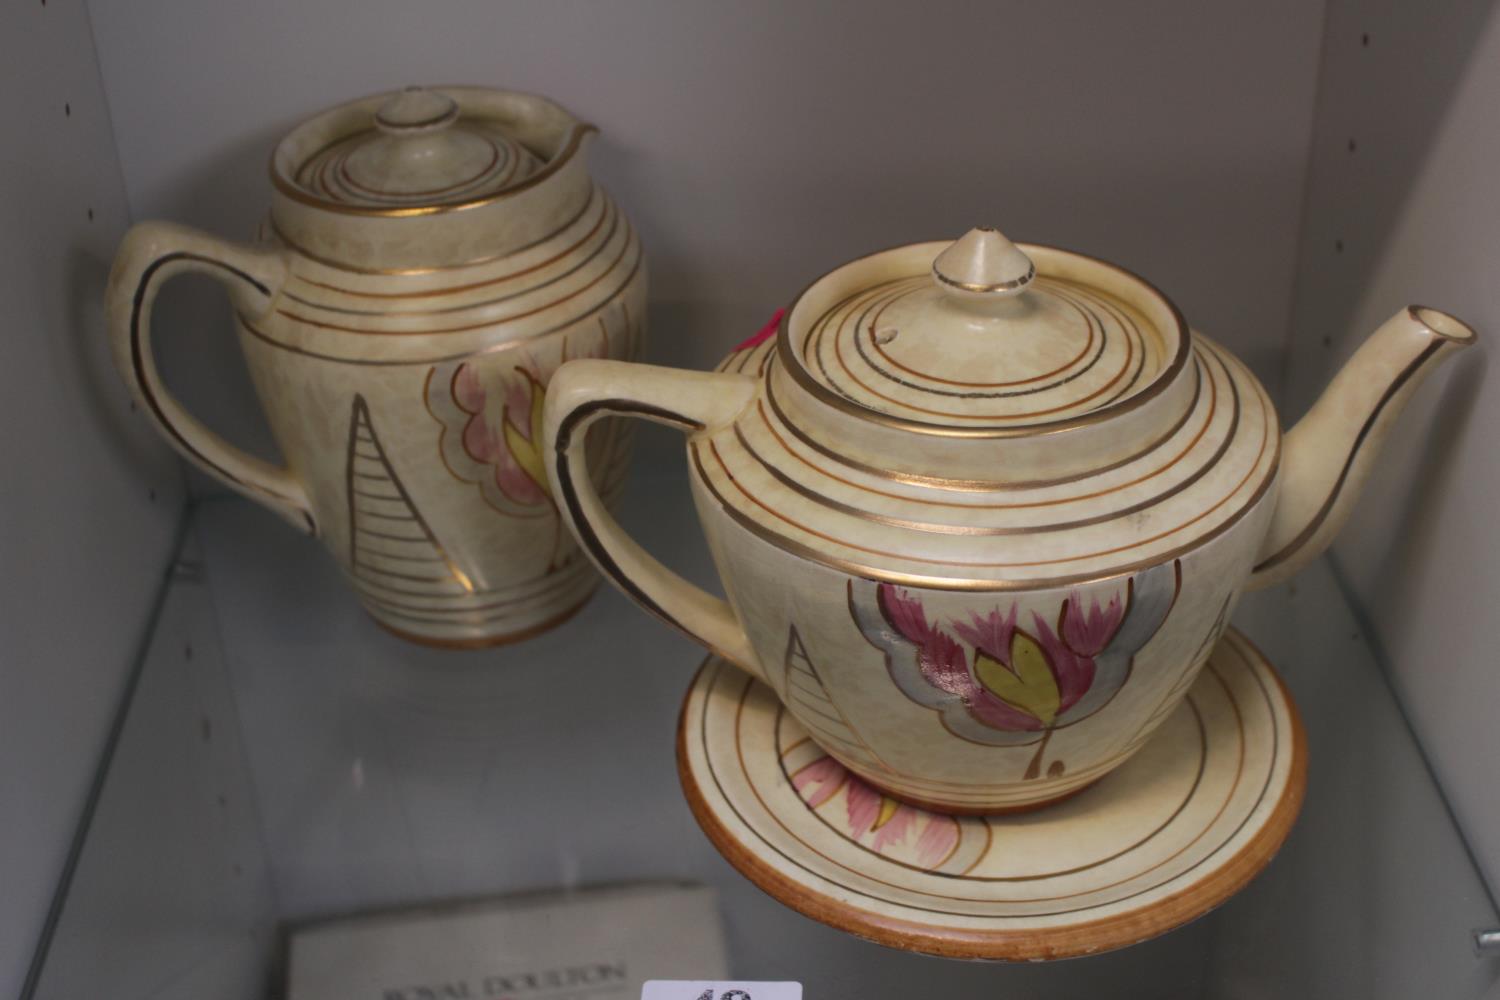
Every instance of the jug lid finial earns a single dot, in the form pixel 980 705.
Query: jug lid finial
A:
pixel 416 108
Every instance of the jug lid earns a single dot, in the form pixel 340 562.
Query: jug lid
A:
pixel 416 151
pixel 982 342
pixel 428 178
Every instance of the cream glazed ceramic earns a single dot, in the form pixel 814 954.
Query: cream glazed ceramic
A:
pixel 1161 840
pixel 981 511
pixel 430 258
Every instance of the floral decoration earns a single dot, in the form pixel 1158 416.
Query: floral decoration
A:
pixel 873 819
pixel 1000 678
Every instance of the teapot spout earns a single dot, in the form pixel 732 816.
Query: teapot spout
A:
pixel 1327 456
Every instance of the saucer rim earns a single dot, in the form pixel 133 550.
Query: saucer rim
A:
pixel 1090 937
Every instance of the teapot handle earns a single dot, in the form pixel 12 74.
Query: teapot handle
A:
pixel 151 253
pixel 581 392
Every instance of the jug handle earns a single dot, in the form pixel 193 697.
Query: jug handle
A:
pixel 151 253
pixel 583 391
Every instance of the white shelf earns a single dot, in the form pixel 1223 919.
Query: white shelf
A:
pixel 359 771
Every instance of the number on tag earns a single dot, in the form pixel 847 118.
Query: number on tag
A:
pixel 678 989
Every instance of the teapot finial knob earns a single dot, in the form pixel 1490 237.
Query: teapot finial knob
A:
pixel 415 109
pixel 983 266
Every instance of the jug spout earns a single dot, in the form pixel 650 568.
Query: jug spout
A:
pixel 1328 455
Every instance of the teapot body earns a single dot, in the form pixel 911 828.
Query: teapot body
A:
pixel 982 510
pixel 988 688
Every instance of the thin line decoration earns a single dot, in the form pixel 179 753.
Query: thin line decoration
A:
pixel 367 462
pixel 812 705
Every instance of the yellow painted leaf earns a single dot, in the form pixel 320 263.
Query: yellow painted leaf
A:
pixel 538 408
pixel 888 807
pixel 528 454
pixel 1028 685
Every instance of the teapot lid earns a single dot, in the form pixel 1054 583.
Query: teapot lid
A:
pixel 978 415
pixel 415 151
pixel 981 359
pixel 979 340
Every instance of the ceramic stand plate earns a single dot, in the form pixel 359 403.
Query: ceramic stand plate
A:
pixel 1172 833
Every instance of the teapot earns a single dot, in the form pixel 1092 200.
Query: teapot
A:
pixel 430 257
pixel 1000 495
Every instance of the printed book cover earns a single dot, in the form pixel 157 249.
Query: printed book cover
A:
pixel 599 944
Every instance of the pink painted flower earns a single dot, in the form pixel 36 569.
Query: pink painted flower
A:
pixel 1018 681
pixel 862 804
pixel 872 818
pixel 507 441
pixel 997 681
pixel 1087 633
pixel 762 335
pixel 480 441
pixel 1072 673
pixel 943 664
pixel 820 781
pixel 940 659
pixel 990 634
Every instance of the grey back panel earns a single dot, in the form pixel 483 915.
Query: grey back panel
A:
pixel 170 898
pixel 1402 208
pixel 757 145
pixel 89 498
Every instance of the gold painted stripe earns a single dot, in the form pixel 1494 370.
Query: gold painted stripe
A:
pixel 838 354
pixel 812 554
pixel 469 264
pixel 1290 548
pixel 974 485
pixel 604 212
pixel 998 286
pixel 747 778
pixel 616 218
pixel 994 531
pixel 297 193
pixel 907 498
pixel 626 242
pixel 1158 384
pixel 879 348
pixel 457 355
pixel 1091 319
pixel 483 175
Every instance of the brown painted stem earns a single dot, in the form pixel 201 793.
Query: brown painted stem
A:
pixel 1034 769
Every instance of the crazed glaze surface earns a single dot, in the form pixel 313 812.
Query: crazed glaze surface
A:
pixel 1034 636
pixel 1158 842
pixel 981 511
pixel 415 287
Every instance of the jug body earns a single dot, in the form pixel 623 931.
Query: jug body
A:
pixel 414 424
pixel 401 349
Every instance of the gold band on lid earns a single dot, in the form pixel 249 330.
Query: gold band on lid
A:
pixel 982 266
pixel 1028 349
